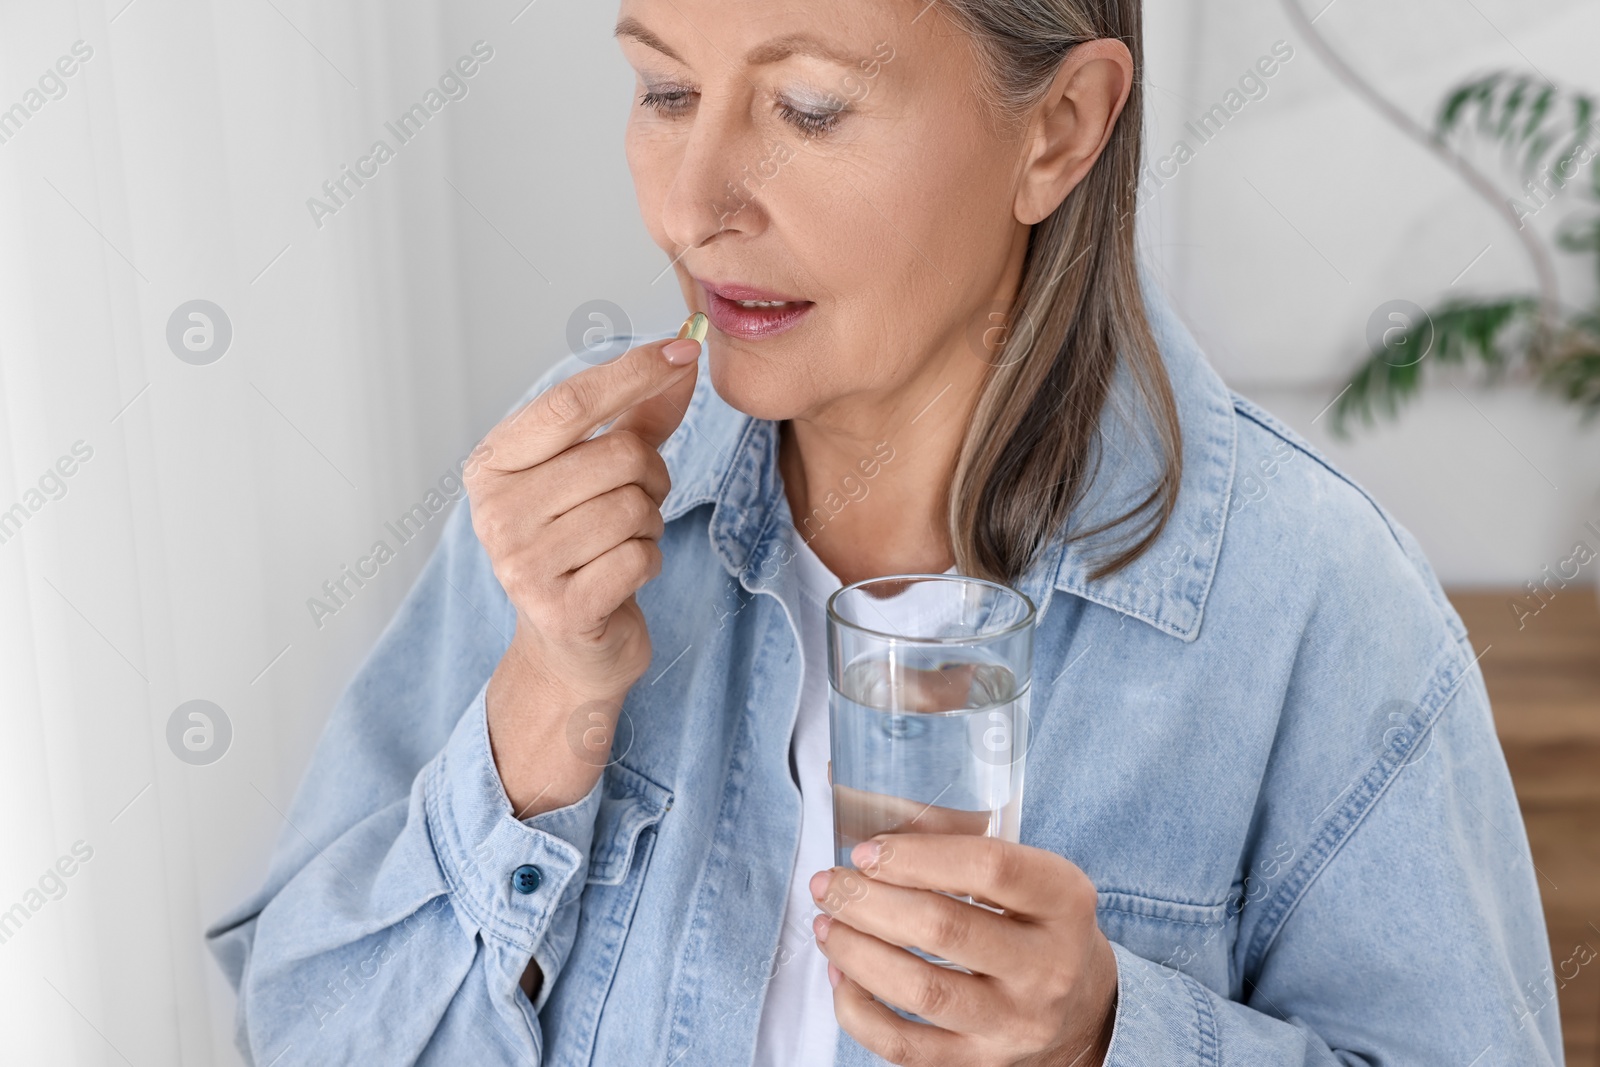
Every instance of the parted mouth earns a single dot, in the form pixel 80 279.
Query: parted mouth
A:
pixel 751 312
pixel 749 295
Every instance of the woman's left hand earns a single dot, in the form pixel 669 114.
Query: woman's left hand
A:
pixel 1044 983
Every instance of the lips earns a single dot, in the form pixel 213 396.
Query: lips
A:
pixel 751 313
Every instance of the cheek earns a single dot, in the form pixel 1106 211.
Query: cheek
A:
pixel 916 215
pixel 835 249
pixel 841 214
pixel 868 237
pixel 650 164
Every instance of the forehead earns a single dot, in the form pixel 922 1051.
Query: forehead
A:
pixel 762 32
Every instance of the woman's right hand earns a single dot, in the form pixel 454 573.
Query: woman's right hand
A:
pixel 570 525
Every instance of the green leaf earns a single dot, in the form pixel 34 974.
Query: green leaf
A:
pixel 1579 234
pixel 1540 108
pixel 1480 92
pixel 1576 378
pixel 1526 118
pixel 1509 108
pixel 1493 333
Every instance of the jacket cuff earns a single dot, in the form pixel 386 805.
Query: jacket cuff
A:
pixel 1163 1016
pixel 480 845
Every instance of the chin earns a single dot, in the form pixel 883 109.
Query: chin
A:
pixel 750 384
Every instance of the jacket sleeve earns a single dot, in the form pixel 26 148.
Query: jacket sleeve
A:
pixel 1406 930
pixel 388 930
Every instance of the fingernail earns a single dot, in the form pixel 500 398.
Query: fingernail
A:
pixel 682 352
pixel 819 884
pixel 865 855
pixel 820 926
pixel 695 326
pixel 833 976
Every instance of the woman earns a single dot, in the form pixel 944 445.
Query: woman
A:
pixel 574 809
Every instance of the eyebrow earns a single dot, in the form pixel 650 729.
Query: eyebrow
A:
pixel 773 51
pixel 629 26
pixel 798 44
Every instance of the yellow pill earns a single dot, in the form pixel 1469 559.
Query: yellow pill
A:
pixel 695 326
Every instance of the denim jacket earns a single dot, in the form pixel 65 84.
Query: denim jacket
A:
pixel 1267 742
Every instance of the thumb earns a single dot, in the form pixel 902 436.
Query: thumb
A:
pixel 657 415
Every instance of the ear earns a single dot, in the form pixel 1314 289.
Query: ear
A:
pixel 1071 125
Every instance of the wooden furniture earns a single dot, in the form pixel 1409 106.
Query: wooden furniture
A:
pixel 1544 683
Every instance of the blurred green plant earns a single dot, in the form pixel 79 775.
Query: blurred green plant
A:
pixel 1552 137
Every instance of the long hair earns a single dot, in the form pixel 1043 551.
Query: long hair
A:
pixel 1028 456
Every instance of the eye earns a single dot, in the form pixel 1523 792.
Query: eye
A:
pixel 670 101
pixel 812 123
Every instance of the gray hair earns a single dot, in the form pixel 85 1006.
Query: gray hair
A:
pixel 1028 457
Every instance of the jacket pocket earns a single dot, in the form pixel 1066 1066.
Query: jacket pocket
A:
pixel 631 806
pixel 1192 937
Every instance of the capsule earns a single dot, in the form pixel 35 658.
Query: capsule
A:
pixel 695 326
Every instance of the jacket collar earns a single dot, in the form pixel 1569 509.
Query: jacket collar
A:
pixel 723 457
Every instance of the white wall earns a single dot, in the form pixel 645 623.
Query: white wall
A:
pixel 178 564
pixel 1309 210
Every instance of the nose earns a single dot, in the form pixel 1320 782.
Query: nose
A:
pixel 714 190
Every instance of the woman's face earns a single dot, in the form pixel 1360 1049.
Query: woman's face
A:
pixel 832 155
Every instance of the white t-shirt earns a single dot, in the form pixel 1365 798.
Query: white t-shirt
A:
pixel 798 1028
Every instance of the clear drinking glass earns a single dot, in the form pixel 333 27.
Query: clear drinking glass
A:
pixel 928 708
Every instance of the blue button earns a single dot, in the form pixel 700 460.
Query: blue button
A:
pixel 525 879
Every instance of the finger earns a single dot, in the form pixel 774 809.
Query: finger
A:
pixel 571 410
pixel 963 933
pixel 598 525
pixel 859 815
pixel 1027 882
pixel 656 416
pixel 592 467
pixel 945 997
pixel 897 1040
pixel 600 588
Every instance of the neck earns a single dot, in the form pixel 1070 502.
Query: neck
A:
pixel 868 480
pixel 868 476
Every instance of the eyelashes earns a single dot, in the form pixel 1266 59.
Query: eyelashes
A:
pixel 810 123
pixel 668 102
pixel 675 102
